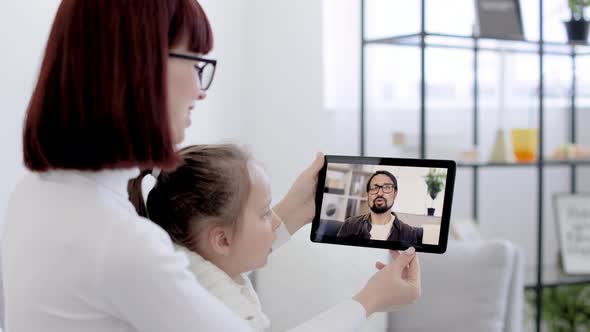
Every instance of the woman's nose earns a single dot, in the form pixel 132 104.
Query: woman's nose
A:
pixel 201 94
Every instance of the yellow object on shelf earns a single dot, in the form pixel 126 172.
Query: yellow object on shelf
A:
pixel 524 144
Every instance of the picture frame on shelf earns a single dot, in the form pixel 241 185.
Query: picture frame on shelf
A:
pixel 572 216
pixel 501 19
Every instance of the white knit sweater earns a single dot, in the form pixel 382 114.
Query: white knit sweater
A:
pixel 239 295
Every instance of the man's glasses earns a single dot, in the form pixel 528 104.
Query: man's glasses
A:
pixel 205 68
pixel 387 188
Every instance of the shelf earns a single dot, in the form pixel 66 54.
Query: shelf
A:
pixel 358 198
pixel 333 194
pixel 334 191
pixel 550 98
pixel 545 163
pixel 553 277
pixel 345 196
pixel 439 40
pixel 339 167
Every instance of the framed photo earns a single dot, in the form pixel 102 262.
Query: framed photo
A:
pixel 499 19
pixel 572 215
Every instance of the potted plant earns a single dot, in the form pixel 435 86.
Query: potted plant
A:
pixel 435 182
pixel 565 308
pixel 577 26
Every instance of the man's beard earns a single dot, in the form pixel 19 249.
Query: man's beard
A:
pixel 381 209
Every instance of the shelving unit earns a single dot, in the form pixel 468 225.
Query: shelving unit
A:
pixel 541 276
pixel 347 195
pixel 545 163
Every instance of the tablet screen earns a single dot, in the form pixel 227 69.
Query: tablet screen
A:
pixel 384 202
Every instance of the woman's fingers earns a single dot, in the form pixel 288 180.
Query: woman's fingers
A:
pixel 403 260
pixel 394 253
pixel 413 271
pixel 316 165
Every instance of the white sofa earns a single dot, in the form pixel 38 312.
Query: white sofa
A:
pixel 474 286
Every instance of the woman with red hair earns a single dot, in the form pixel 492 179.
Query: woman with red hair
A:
pixel 115 90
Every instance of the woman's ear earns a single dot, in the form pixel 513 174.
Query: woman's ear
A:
pixel 219 239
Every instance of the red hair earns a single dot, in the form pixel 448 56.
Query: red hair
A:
pixel 100 100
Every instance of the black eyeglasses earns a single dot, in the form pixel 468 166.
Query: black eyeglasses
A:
pixel 205 68
pixel 387 188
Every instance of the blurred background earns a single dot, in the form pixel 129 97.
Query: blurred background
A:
pixel 288 85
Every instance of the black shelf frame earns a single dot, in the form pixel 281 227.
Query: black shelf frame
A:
pixel 482 44
pixel 582 281
pixel 424 39
pixel 555 278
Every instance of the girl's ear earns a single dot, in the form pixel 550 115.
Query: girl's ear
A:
pixel 219 239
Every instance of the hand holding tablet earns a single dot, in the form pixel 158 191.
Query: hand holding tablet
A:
pixel 384 203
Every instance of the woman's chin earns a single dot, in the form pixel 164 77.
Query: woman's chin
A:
pixel 178 136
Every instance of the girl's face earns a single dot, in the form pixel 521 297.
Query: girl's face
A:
pixel 256 232
pixel 183 89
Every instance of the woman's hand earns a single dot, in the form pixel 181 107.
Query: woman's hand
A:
pixel 297 208
pixel 394 285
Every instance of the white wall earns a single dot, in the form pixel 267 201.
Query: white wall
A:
pixel 24 29
pixel 282 100
pixel 220 117
pixel 286 122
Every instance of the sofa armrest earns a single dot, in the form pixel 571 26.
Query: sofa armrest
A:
pixel 515 305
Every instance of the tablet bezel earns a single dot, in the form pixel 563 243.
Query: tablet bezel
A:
pixel 440 248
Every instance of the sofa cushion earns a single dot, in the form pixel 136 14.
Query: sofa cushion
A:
pixel 466 289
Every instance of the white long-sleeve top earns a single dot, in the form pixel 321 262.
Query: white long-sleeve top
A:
pixel 77 257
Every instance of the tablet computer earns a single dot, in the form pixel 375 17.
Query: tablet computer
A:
pixel 390 203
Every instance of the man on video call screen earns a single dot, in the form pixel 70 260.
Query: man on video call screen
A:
pixel 381 223
pixel 382 202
